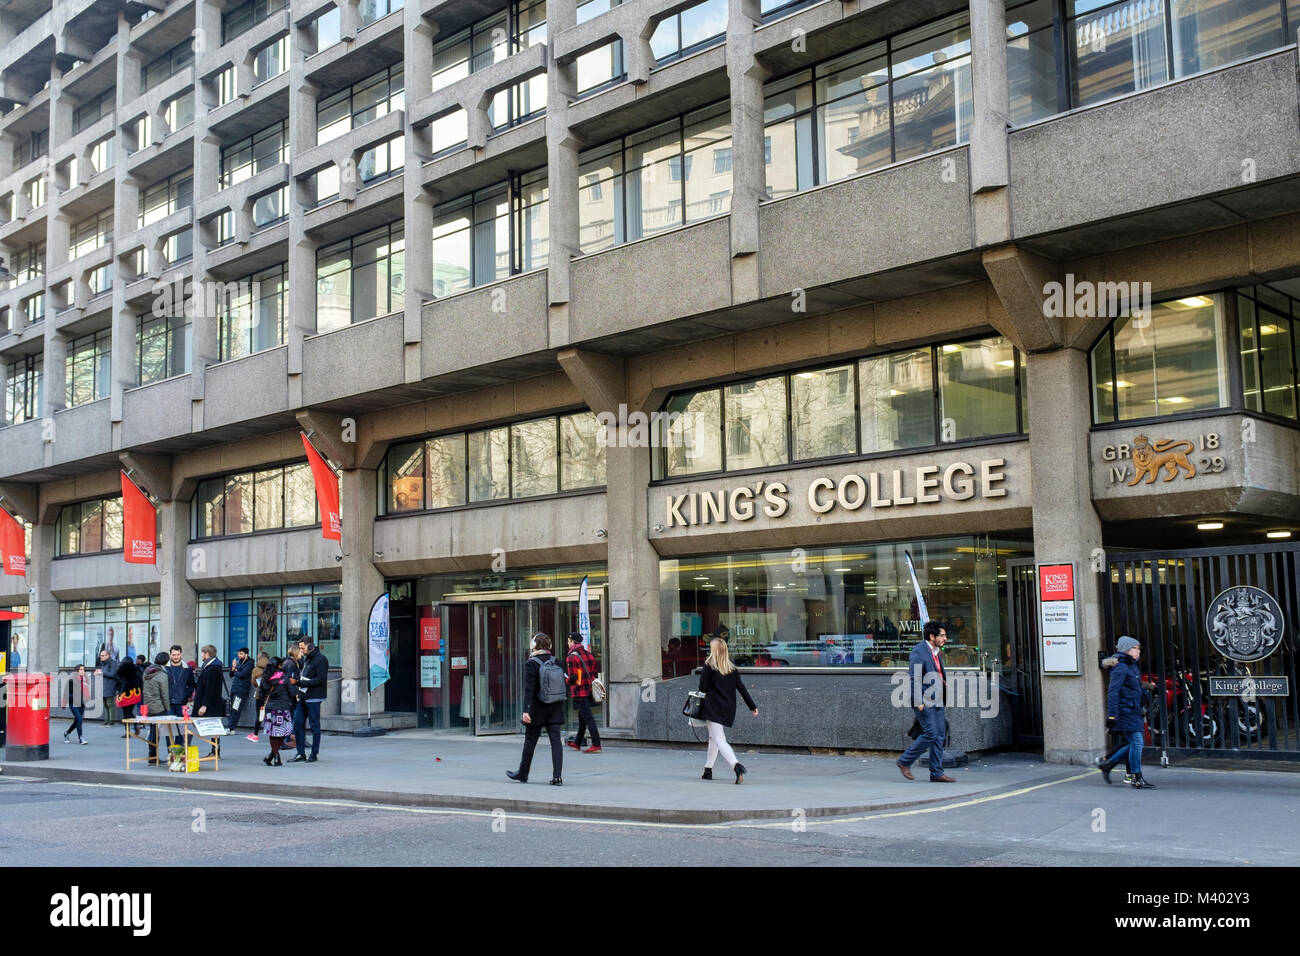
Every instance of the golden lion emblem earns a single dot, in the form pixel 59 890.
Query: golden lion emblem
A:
pixel 1170 455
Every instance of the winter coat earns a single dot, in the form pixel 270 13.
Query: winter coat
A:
pixel 109 670
pixel 537 710
pixel 207 690
pixel 720 696
pixel 275 693
pixel 128 677
pixel 315 675
pixel 157 694
pixel 1124 698
pixel 180 685
pixel 241 677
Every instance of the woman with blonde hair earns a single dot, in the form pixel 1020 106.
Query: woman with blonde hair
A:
pixel 719 681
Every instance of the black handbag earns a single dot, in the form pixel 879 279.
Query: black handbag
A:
pixel 694 704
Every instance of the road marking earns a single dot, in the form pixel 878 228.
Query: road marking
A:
pixel 541 818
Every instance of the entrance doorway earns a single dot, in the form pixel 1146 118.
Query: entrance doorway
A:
pixel 1025 683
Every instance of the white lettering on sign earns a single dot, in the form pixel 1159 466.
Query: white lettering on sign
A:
pixel 141 548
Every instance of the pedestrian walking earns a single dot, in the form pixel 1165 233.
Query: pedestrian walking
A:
pixel 580 668
pixel 545 689
pixel 180 682
pixel 107 673
pixel 208 689
pixel 276 702
pixel 241 684
pixel 130 682
pixel 78 694
pixel 156 697
pixel 929 686
pixel 719 682
pixel 1124 711
pixel 312 685
pixel 258 676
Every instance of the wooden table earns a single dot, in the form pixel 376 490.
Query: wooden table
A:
pixel 184 728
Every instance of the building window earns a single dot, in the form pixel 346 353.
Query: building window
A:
pixel 100 280
pixel 843 607
pixel 34 190
pixel 179 112
pixel 491 234
pixel 89 362
pixel 449 132
pixel 326 183
pixel 772 9
pixel 246 158
pixel 92 233
pixel 253 317
pixel 31 147
pixel 225 86
pixel 268 620
pixel 88 527
pixel 93 110
pixel 168 65
pixel 271 60
pixel 895 99
pixel 28 263
pixel 127 627
pixel 32 308
pixel 1270 350
pixel 375 96
pixel 269 499
pixel 23 389
pixel 360 278
pixel 912 399
pixel 538 457
pixel 1163 363
pixel 372 10
pixel 524 101
pixel 600 68
pixel 654 183
pixel 270 208
pixel 167 196
pixel 179 246
pixel 244 17
pixel 101 156
pixel 489 41
pixel 381 161
pixel 162 348
pixel 327 29
pixel 695 28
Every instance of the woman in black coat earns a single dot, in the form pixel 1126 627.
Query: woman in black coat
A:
pixel 129 681
pixel 276 696
pixel 539 714
pixel 719 681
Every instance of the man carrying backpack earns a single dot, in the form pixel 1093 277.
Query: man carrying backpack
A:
pixel 545 690
pixel 581 668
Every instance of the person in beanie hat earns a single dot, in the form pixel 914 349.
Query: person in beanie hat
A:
pixel 1124 711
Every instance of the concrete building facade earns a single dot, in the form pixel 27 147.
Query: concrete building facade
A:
pixel 994 285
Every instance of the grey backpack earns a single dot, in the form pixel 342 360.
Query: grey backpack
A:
pixel 551 685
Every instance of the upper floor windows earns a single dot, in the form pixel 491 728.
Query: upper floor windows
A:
pixel 910 399
pixel 360 278
pixel 327 29
pixel 543 456
pixel 167 196
pixel 483 43
pixel 31 147
pixel 694 28
pixel 1269 324
pixel 382 160
pixel 245 16
pixel 88 527
pixel 601 67
pixel 179 111
pixel 88 364
pixel 650 181
pixel 162 347
pixel 24 378
pixel 92 233
pixel 271 60
pixel 28 263
pixel 491 234
pixel 246 158
pixel 32 308
pixel 34 191
pixel 93 110
pixel 168 65
pixel 368 99
pixel 266 499
pixel 252 319
pixel 372 10
pixel 890 101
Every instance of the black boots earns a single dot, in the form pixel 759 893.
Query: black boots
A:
pixel 1140 783
pixel 708 774
pixel 740 773
pixel 1105 767
pixel 515 775
pixel 557 782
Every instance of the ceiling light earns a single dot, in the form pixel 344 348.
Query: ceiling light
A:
pixel 1268 329
pixel 1209 526
pixel 1176 400
pixel 952 348
pixel 804 375
pixel 1279 534
pixel 701 578
pixel 843 570
pixel 893 392
pixel 1196 301
pixel 941 567
pixel 1007 363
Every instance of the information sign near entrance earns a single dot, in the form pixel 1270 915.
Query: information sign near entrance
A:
pixel 1058 622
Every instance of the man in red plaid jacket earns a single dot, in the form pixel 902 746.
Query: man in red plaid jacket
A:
pixel 580 666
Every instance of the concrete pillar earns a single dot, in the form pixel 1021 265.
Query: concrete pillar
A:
pixel 418 228
pixel 302 303
pixel 748 171
pixel 562 148
pixel 42 605
pixel 989 161
pixel 56 377
pixel 362 583
pixel 1069 532
pixel 179 602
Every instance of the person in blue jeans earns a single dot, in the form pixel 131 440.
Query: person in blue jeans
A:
pixel 78 694
pixel 1124 711
pixel 929 685
pixel 312 684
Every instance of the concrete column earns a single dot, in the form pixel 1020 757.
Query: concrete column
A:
pixel 989 162
pixel 42 605
pixel 56 377
pixel 179 602
pixel 748 172
pixel 302 302
pixel 362 583
pixel 1069 532
pixel 419 208
pixel 562 148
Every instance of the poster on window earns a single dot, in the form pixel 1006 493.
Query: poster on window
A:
pixel 297 618
pixel 137 640
pixel 94 641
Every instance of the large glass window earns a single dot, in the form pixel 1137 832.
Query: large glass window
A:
pixel 24 378
pixel 89 362
pixel 650 181
pixel 601 67
pixel 253 315
pixel 381 161
pixel 895 99
pixel 127 627
pixel 93 110
pixel 246 158
pixel 694 28
pixel 1270 350
pixel 327 29
pixel 245 16
pixel 275 498
pixel 849 606
pixel 91 233
pixel 1169 361
pixel 267 620
pixel 491 234
pixel 360 278
pixel 168 65
pixel 162 347
pixel 179 111
pixel 28 263
pixel 88 527
pixel 163 198
pixel 377 95
pixel 537 457
pixel 911 399
pixel 271 60
pixel 488 41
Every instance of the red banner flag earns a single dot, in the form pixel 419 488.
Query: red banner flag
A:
pixel 139 525
pixel 13 545
pixel 11 615
pixel 327 492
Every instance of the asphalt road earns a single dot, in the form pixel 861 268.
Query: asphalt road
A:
pixel 1196 818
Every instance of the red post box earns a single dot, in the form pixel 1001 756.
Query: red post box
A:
pixel 27 701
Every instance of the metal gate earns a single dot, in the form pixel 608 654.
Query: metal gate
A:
pixel 1161 598
pixel 1025 685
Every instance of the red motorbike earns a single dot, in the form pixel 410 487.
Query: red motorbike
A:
pixel 1187 713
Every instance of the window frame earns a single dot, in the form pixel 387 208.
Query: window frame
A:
pixel 224 478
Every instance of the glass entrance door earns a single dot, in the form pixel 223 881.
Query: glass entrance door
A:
pixel 498 668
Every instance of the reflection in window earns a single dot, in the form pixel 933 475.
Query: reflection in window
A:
pixel 601 67
pixel 88 527
pixel 693 29
pixel 162 347
pixel 375 96
pixel 89 361
pixel 1270 350
pixel 491 234
pixel 253 313
pixel 24 378
pixel 822 413
pixel 977 389
pixel 360 278
pixel 267 499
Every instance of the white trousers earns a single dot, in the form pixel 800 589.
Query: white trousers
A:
pixel 718 745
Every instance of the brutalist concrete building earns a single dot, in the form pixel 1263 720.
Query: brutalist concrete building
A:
pixel 729 308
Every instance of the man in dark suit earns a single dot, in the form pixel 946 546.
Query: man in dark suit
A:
pixel 929 686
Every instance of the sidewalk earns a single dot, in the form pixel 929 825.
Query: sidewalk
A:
pixel 432 769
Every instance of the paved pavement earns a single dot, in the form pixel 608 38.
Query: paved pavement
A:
pixel 430 769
